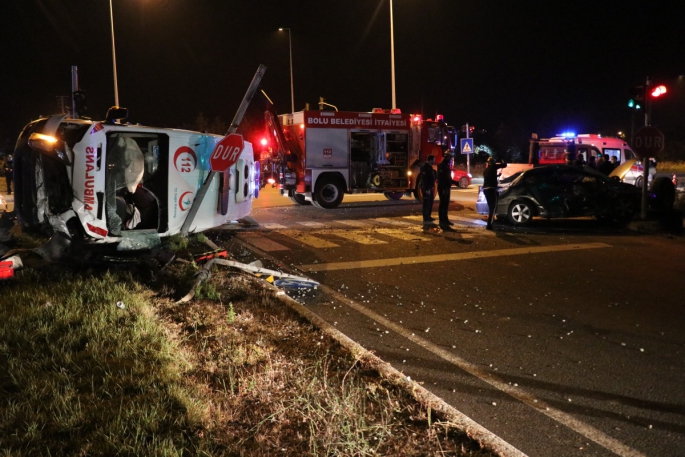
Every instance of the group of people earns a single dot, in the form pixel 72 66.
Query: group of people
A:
pixel 604 163
pixel 445 181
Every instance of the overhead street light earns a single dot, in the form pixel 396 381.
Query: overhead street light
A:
pixel 292 91
pixel 114 56
pixel 392 56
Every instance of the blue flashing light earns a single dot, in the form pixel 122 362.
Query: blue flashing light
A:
pixel 568 135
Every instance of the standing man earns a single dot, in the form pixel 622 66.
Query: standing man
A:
pixel 9 170
pixel 490 187
pixel 428 188
pixel 444 189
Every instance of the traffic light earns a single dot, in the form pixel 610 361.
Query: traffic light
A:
pixel 80 105
pixel 658 91
pixel 638 95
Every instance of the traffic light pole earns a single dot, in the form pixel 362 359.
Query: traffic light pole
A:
pixel 468 156
pixel 645 160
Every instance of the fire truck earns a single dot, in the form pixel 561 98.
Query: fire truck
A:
pixel 330 153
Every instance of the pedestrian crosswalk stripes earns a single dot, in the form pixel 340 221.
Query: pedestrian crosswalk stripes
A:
pixel 373 231
pixel 308 239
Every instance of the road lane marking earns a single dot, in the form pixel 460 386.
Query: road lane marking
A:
pixel 356 236
pixel 517 393
pixel 354 223
pixel 312 224
pixel 415 260
pixel 273 226
pixel 308 239
pixel 470 220
pixel 400 234
pixel 389 221
pixel 262 243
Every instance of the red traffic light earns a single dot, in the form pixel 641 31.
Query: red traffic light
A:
pixel 658 91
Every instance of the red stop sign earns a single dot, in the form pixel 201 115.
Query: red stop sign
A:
pixel 226 152
pixel 648 142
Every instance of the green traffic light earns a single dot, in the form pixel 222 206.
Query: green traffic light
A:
pixel 631 103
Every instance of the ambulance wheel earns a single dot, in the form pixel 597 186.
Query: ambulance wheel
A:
pixel 638 182
pixel 393 195
pixel 328 194
pixel 299 199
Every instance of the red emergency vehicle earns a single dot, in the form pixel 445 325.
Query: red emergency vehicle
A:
pixel 330 153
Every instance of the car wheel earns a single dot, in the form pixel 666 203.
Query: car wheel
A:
pixel 464 182
pixel 328 194
pixel 393 195
pixel 520 213
pixel 299 199
pixel 623 210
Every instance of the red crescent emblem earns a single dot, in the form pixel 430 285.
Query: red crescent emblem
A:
pixel 185 164
pixel 185 200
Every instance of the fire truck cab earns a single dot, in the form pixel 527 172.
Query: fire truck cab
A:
pixel 330 153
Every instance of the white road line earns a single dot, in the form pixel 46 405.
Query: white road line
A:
pixel 354 223
pixel 415 260
pixel 519 394
pixel 262 243
pixel 308 239
pixel 470 220
pixel 312 224
pixel 273 226
pixel 389 221
pixel 356 236
pixel 401 234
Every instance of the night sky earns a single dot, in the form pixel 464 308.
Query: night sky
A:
pixel 543 66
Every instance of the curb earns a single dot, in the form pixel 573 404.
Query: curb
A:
pixel 473 430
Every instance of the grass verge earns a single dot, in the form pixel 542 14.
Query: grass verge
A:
pixel 104 363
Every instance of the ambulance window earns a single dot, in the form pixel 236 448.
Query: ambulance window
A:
pixel 583 153
pixel 613 153
pixel 629 154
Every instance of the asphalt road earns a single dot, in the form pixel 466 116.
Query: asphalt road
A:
pixel 566 339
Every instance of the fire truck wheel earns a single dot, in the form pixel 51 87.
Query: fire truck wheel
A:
pixel 299 199
pixel 464 182
pixel 328 193
pixel 393 195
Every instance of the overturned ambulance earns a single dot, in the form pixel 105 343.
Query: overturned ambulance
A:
pixel 105 182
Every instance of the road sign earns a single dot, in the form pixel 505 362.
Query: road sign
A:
pixel 290 283
pixel 648 142
pixel 226 152
pixel 467 145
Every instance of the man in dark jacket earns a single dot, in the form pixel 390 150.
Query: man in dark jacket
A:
pixel 428 188
pixel 444 189
pixel 490 187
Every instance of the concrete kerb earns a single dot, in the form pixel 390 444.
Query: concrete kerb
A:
pixel 459 420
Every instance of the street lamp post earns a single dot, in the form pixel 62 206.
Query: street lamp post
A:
pixel 292 90
pixel 114 56
pixel 392 56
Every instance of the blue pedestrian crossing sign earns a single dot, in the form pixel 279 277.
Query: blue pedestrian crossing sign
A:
pixel 467 145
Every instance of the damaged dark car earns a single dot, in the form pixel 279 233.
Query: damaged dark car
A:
pixel 561 191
